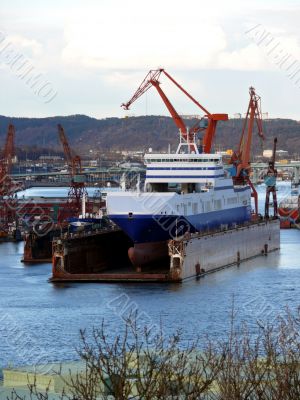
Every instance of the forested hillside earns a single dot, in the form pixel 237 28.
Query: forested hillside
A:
pixel 137 133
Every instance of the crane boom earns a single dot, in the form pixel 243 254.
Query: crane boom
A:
pixel 241 158
pixel 176 117
pixel 65 144
pixel 77 186
pixel 153 75
pixel 186 93
pixel 212 118
pixel 6 160
pixel 74 162
pixel 151 79
pixel 253 115
pixel 9 148
pixel 7 186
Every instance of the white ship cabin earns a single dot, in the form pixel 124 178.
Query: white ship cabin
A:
pixel 183 172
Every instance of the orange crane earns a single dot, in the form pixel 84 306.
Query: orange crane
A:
pixel 6 162
pixel 241 158
pixel 152 79
pixel 9 201
pixel 77 182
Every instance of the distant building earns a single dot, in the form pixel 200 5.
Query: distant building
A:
pixel 48 158
pixel 267 153
pixel 132 153
pixel 237 115
pixel 279 153
pixel 282 153
pixel 265 115
pixel 191 116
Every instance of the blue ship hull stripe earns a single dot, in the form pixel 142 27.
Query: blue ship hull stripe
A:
pixel 155 228
pixel 223 187
pixel 241 189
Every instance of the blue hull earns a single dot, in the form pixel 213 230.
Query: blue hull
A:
pixel 145 228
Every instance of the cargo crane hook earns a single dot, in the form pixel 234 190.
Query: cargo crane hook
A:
pixel 188 135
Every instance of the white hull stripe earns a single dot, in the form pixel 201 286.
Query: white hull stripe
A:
pixel 183 168
pixel 183 176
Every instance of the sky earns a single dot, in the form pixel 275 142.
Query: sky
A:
pixel 87 57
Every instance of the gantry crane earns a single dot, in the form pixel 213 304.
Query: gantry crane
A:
pixel 270 181
pixel 188 135
pixel 241 158
pixel 77 183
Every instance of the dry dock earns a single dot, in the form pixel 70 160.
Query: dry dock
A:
pixel 103 256
pixel 38 247
pixel 203 254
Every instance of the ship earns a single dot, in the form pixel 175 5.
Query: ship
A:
pixel 289 210
pixel 183 193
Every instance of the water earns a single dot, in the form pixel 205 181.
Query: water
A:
pixel 40 321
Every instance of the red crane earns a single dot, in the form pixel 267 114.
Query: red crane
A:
pixel 150 80
pixel 241 158
pixel 6 183
pixel 7 186
pixel 77 182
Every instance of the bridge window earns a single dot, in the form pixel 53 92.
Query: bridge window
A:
pixel 218 204
pixel 195 208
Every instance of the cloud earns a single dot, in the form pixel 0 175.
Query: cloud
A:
pixel 31 47
pixel 143 38
pixel 132 37
pixel 98 51
pixel 249 58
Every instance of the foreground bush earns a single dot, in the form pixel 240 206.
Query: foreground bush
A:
pixel 141 363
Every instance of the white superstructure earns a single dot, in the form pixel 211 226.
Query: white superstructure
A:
pixel 182 191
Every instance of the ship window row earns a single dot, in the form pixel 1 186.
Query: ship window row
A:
pixel 217 204
pixel 195 207
pixel 206 206
pixel 232 200
pixel 157 160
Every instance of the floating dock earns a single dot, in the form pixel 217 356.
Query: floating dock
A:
pixel 36 250
pixel 87 256
pixel 38 246
pixel 103 257
pixel 202 254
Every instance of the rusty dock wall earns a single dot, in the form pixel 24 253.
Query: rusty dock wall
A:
pixel 103 256
pixel 84 256
pixel 38 244
pixel 202 254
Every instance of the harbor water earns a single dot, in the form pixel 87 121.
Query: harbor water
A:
pixel 40 321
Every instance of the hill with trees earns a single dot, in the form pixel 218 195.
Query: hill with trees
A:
pixel 137 133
